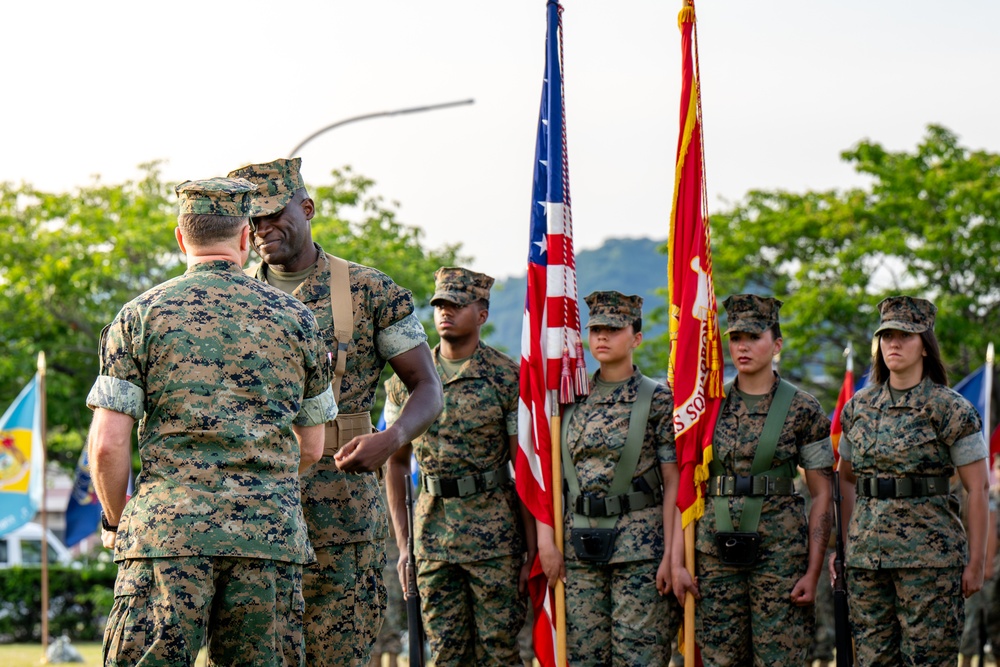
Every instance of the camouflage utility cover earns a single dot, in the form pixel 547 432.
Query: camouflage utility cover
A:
pixel 804 441
pixel 930 431
pixel 276 183
pixel 750 313
pixel 216 196
pixel 613 309
pixel 596 435
pixel 215 365
pixel 342 508
pixel 460 286
pixel 906 313
pixel 471 436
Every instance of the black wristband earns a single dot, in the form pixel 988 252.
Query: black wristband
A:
pixel 107 526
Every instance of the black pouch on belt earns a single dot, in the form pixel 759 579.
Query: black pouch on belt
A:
pixel 739 549
pixel 595 545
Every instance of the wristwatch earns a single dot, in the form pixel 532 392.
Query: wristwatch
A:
pixel 107 526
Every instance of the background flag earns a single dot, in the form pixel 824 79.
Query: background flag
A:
pixel 552 364
pixel 21 456
pixel 977 388
pixel 846 392
pixel 695 372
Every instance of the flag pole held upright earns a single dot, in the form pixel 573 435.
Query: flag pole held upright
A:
pixel 553 371
pixel 695 371
pixel 45 522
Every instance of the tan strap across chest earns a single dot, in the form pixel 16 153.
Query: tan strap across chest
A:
pixel 342 306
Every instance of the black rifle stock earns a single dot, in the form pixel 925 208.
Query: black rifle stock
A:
pixel 415 626
pixel 845 647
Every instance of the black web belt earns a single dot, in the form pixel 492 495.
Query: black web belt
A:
pixel 646 491
pixel 460 487
pixel 750 485
pixel 901 487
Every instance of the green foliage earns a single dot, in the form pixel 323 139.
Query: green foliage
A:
pixel 928 225
pixel 71 260
pixel 79 601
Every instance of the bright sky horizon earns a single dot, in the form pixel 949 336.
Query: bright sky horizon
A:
pixel 99 88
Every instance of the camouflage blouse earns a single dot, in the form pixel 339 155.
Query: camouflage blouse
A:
pixel 596 435
pixel 804 441
pixel 217 367
pixel 342 508
pixel 471 436
pixel 930 431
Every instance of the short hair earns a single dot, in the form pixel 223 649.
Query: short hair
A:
pixel 637 325
pixel 775 330
pixel 933 366
pixel 203 229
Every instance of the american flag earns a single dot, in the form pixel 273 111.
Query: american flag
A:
pixel 552 366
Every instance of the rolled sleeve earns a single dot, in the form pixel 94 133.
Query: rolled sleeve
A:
pixel 317 410
pixel 818 454
pixel 968 450
pixel 400 337
pixel 121 396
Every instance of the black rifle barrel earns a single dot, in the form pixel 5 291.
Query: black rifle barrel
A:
pixel 845 647
pixel 415 626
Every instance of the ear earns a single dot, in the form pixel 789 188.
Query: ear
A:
pixel 778 344
pixel 484 314
pixel 245 239
pixel 636 340
pixel 309 208
pixel 180 239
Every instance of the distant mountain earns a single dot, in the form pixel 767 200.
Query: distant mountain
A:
pixel 630 266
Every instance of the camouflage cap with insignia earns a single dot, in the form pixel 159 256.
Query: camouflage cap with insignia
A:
pixel 460 286
pixel 613 309
pixel 216 196
pixel 751 313
pixel 276 181
pixel 906 313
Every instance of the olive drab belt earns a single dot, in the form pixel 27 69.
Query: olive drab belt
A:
pixel 750 485
pixel 460 487
pixel 901 487
pixel 647 491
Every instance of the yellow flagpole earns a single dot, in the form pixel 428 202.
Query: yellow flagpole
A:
pixel 689 649
pixel 45 522
pixel 557 529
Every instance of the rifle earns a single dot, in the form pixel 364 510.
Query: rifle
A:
pixel 415 625
pixel 845 647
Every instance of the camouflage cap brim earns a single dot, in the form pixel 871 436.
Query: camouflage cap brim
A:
pixel 911 327
pixel 452 296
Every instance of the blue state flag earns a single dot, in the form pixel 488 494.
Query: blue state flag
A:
pixel 21 456
pixel 83 512
pixel 975 388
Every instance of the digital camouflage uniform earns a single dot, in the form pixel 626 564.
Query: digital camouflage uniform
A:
pixel 217 367
pixel 469 549
pixel 746 615
pixel 930 431
pixel 614 614
pixel 344 590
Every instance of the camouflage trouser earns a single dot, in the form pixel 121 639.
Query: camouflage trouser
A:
pixel 472 611
pixel 389 638
pixel 746 616
pixel 248 611
pixel 345 604
pixel 615 616
pixel 906 616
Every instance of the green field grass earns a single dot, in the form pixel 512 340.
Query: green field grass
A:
pixel 30 655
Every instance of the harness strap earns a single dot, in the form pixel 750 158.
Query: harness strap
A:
pixel 342 306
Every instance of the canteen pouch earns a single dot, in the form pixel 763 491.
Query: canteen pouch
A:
pixel 739 549
pixel 594 545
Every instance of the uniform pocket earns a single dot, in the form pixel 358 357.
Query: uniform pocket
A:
pixel 130 622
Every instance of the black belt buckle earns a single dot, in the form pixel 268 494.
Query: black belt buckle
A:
pixel 737 549
pixel 743 485
pixel 593 545
pixel 885 487
pixel 589 504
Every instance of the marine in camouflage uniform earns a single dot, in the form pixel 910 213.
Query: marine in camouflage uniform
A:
pixel 763 614
pixel 470 547
pixel 908 558
pixel 618 612
pixel 344 590
pixel 224 374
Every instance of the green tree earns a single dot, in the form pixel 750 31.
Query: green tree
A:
pixel 71 260
pixel 927 225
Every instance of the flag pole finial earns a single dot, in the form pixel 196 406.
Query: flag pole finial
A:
pixel 41 363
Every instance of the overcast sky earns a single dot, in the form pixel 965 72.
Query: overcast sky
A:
pixel 98 88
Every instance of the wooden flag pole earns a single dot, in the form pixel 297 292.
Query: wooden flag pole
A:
pixel 557 529
pixel 689 649
pixel 45 522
